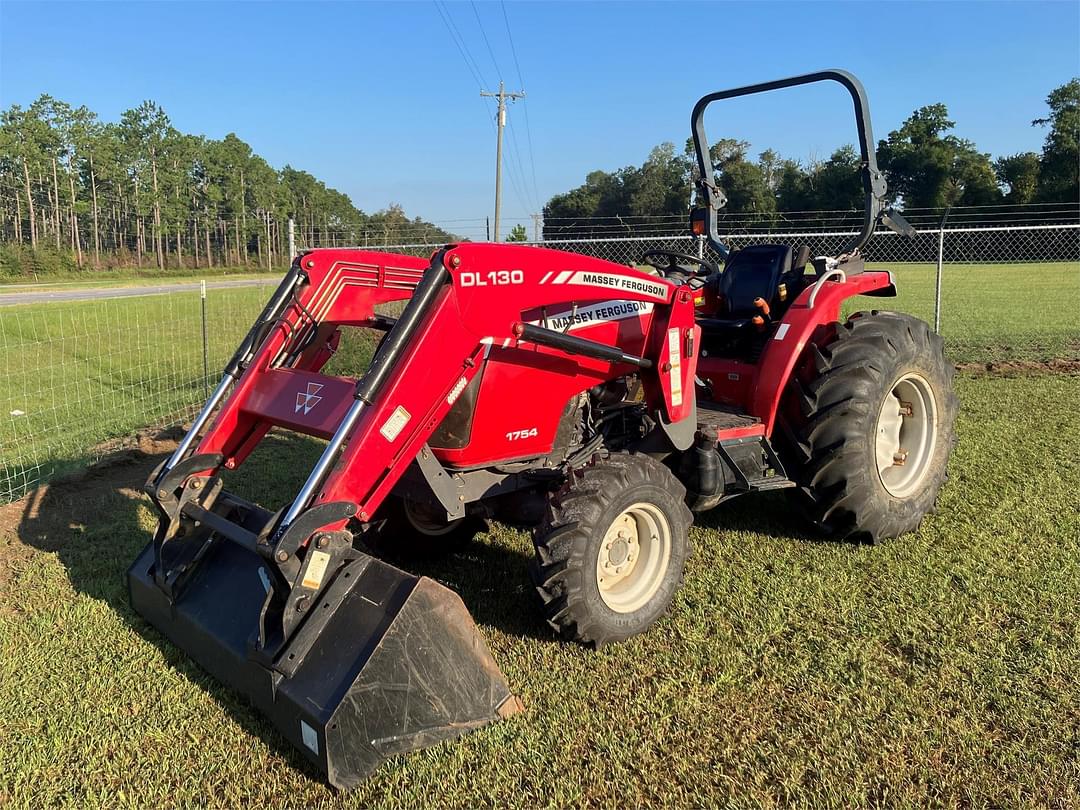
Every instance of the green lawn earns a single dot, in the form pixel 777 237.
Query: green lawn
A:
pixel 938 669
pixel 994 312
pixel 87 372
pixel 21 265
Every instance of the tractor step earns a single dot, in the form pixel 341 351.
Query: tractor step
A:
pixel 731 462
pixel 727 421
pixel 754 464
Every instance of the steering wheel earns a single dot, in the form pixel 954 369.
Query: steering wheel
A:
pixel 673 268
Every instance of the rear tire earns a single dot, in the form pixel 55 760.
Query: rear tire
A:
pixel 611 549
pixel 869 420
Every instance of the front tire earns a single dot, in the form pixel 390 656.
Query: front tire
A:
pixel 869 418
pixel 611 549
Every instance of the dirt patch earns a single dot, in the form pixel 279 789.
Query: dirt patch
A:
pixel 1013 368
pixel 75 500
pixel 126 450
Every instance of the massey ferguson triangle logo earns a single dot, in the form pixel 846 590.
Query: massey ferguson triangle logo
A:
pixel 307 400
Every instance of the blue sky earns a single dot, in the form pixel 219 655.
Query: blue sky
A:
pixel 376 100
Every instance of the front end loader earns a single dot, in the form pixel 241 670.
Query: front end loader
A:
pixel 600 403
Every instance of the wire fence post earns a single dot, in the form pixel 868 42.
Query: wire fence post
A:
pixel 937 281
pixel 940 267
pixel 701 246
pixel 205 342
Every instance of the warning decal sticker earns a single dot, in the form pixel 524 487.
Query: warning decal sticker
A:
pixel 676 367
pixel 316 569
pixel 395 423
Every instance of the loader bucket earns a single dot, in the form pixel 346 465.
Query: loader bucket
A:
pixel 387 662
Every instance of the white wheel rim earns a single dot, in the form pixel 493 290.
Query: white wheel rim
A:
pixel 906 435
pixel 423 522
pixel 633 558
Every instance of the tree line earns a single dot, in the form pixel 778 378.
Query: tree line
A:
pixel 926 165
pixel 138 191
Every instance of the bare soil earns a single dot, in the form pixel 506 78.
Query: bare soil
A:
pixel 1013 368
pixel 75 500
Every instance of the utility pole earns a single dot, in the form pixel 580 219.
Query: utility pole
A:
pixel 502 96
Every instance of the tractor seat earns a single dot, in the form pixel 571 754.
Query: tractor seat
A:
pixel 754 272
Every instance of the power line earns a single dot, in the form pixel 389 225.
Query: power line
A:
pixel 477 74
pixel 521 170
pixel 510 37
pixel 524 103
pixel 460 43
pixel 512 166
pixel 483 33
pixel 520 189
pixel 514 170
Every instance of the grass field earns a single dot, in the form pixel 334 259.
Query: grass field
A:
pixel 937 669
pixel 75 375
pixel 21 265
pixel 994 312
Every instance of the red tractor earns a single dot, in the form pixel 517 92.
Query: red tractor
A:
pixel 603 403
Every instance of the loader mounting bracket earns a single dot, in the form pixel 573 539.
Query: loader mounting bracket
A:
pixel 446 491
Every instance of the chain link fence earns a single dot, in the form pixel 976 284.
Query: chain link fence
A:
pixel 79 377
pixel 994 293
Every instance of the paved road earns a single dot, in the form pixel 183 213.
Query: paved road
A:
pixel 46 297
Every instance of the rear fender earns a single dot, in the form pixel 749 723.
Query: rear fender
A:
pixel 796 330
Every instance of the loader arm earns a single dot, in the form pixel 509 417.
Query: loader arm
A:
pixel 468 305
pixel 337 289
pixel 464 304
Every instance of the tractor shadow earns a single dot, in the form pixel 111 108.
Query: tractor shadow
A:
pixel 97 521
pixel 775 515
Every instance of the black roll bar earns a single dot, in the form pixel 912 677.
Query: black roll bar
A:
pixel 873 180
